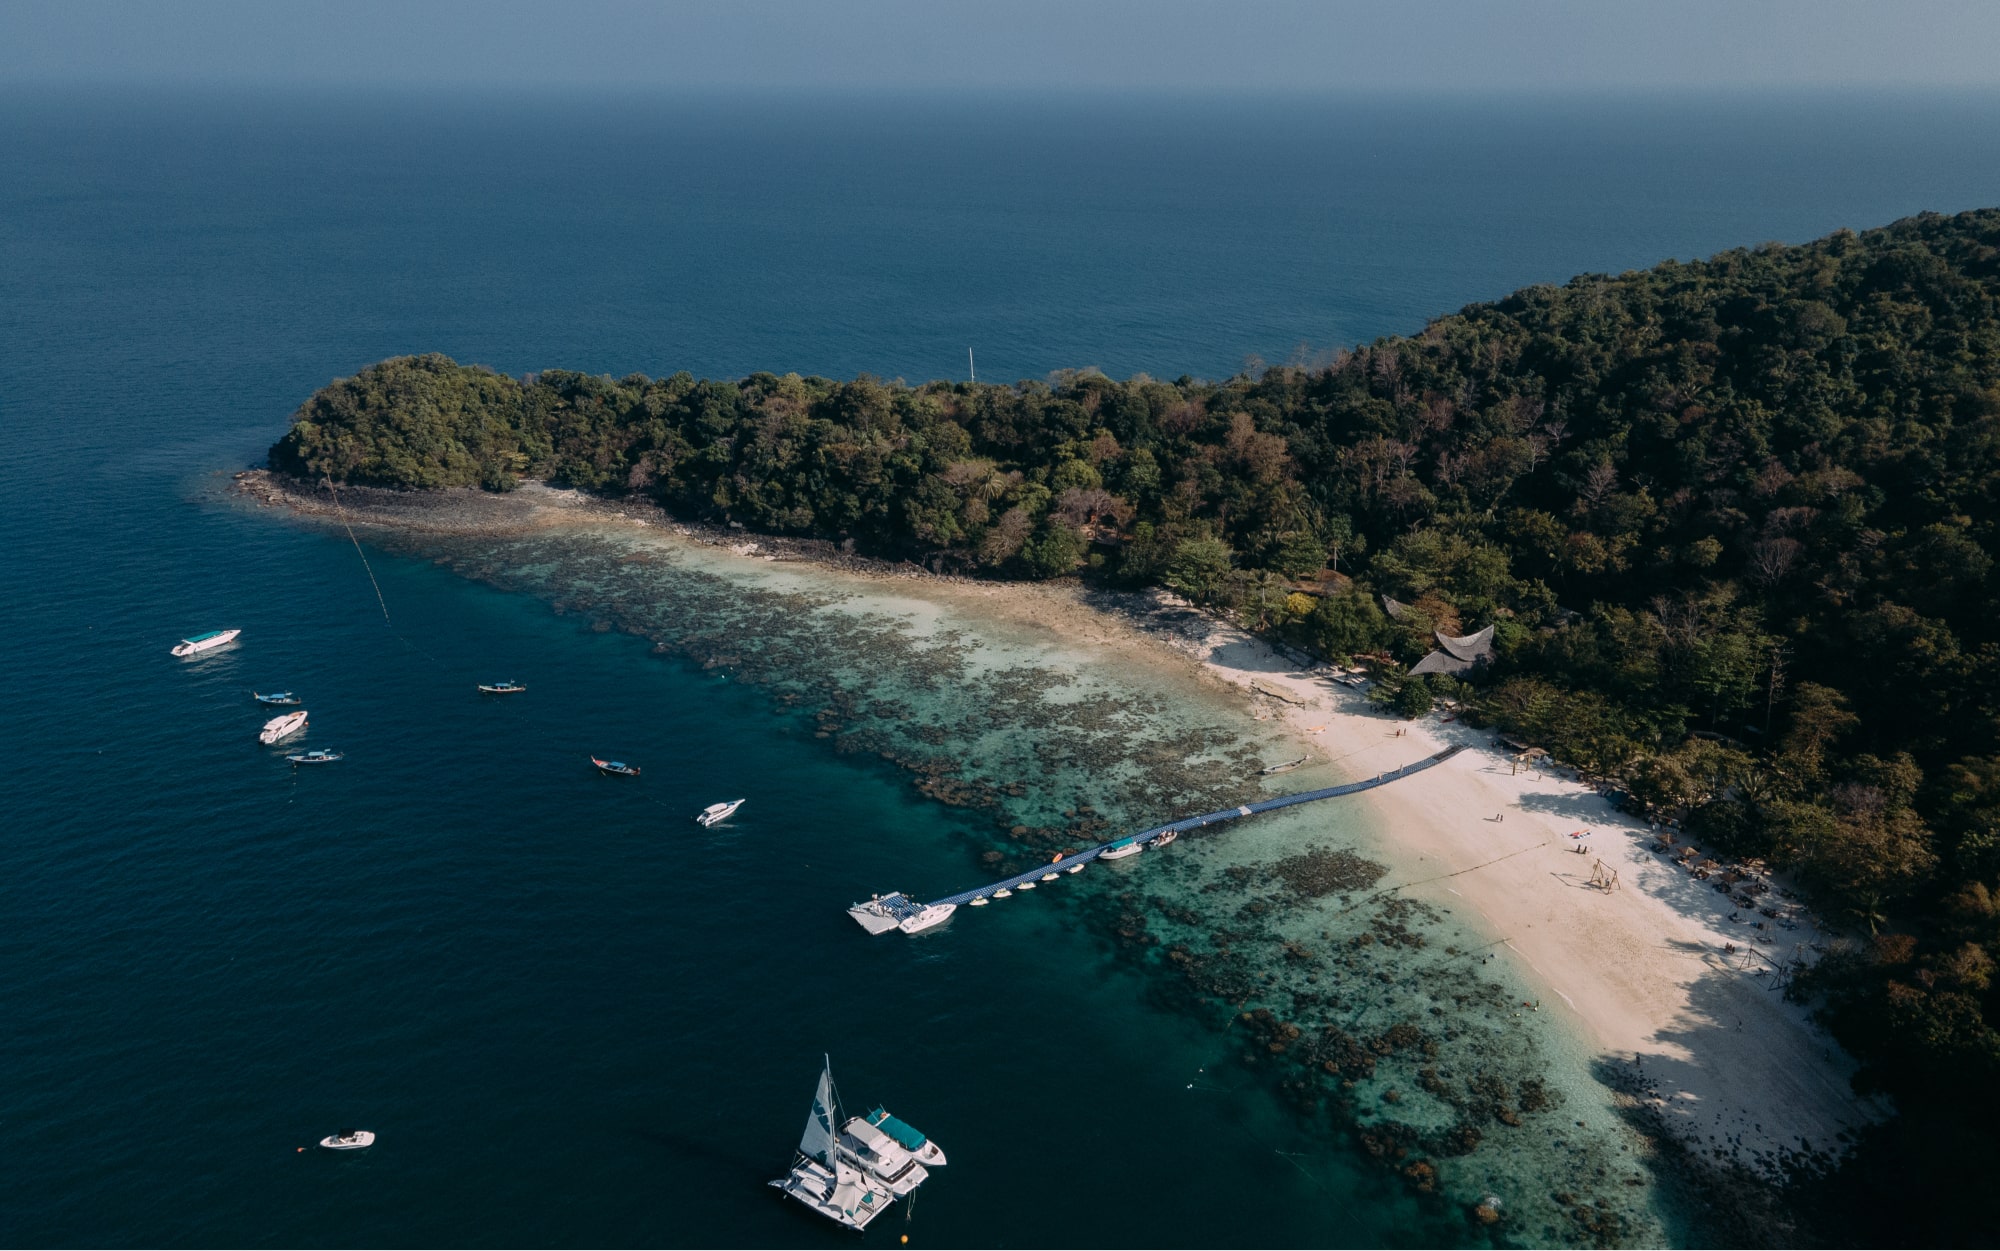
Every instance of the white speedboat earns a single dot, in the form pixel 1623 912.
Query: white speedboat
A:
pixel 935 914
pixel 1122 848
pixel 1050 876
pixel 823 1176
pixel 1003 893
pixel 348 1140
pixel 881 1157
pixel 205 642
pixel 718 812
pixel 1077 867
pixel 283 727
pixel 317 756
pixel 926 1151
pixel 881 913
pixel 1024 886
pixel 978 901
pixel 1162 840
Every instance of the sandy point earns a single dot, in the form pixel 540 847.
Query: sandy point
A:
pixel 1684 1005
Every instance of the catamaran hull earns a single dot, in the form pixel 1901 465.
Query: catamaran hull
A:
pixel 810 1182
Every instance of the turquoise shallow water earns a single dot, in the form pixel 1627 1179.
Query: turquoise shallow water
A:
pixel 574 1018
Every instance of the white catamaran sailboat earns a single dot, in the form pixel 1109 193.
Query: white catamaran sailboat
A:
pixel 823 1176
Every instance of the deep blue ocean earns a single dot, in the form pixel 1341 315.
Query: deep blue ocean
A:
pixel 568 1026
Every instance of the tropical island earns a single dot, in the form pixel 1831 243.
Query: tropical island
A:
pixel 1718 533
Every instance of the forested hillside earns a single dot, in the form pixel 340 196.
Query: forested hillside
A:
pixel 1734 521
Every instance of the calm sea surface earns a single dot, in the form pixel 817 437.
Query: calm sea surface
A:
pixel 573 1020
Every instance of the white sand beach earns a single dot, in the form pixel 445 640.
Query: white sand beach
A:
pixel 1646 969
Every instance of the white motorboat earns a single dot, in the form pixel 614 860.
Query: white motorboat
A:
pixel 935 914
pixel 1050 876
pixel 1077 867
pixel 1122 848
pixel 978 901
pixel 881 1157
pixel 208 642
pixel 1003 893
pixel 283 727
pixel 718 812
pixel 1162 840
pixel 823 1177
pixel 348 1140
pixel 912 1140
pixel 1024 886
pixel 882 913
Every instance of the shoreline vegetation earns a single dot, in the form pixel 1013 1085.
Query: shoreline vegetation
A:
pixel 1729 1089
pixel 1730 523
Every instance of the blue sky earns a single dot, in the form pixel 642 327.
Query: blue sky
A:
pixel 1289 45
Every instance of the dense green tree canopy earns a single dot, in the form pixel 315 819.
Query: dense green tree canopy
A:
pixel 1751 497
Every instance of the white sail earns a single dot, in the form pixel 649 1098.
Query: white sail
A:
pixel 818 1141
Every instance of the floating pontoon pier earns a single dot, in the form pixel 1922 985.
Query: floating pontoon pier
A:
pixel 898 905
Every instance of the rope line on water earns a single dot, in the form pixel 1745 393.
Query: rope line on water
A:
pixel 342 514
pixel 370 571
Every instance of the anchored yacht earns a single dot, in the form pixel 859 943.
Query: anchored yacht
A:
pixel 205 642
pixel 718 812
pixel 926 1151
pixel 282 727
pixel 823 1176
pixel 348 1140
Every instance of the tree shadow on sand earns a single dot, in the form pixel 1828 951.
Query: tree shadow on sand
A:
pixel 1729 1177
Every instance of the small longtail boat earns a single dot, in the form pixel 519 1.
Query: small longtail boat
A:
pixel 616 768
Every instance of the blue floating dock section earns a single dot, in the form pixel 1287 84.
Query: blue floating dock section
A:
pixel 1207 818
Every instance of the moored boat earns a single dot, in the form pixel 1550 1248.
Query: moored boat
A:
pixel 1122 848
pixel 823 1176
pixel 718 812
pixel 909 1136
pixel 348 1140
pixel 1077 867
pixel 934 914
pixel 317 756
pixel 1003 893
pixel 1050 876
pixel 501 688
pixel 277 699
pixel 615 768
pixel 282 727
pixel 1286 767
pixel 978 901
pixel 881 913
pixel 1027 885
pixel 197 644
pixel 1162 839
